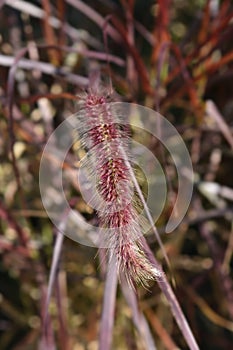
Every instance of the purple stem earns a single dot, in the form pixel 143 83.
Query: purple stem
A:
pixel 138 317
pixel 173 302
pixel 107 318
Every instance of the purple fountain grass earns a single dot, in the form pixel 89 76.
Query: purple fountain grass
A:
pixel 106 140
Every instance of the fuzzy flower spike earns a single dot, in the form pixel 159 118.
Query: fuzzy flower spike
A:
pixel 106 139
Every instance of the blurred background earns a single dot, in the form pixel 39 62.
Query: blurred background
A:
pixel 173 56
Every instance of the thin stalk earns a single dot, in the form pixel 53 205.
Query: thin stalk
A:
pixel 107 318
pixel 173 302
pixel 139 319
pixel 53 271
